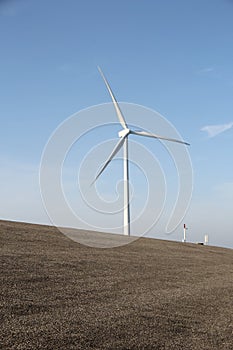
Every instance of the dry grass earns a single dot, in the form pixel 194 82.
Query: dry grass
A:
pixel 150 294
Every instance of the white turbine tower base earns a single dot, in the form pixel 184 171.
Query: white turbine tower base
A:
pixel 123 142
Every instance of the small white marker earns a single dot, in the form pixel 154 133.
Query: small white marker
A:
pixel 185 228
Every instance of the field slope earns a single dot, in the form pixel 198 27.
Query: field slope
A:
pixel 150 294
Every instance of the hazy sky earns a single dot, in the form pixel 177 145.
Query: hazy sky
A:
pixel 173 56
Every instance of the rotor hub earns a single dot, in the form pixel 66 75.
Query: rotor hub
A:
pixel 124 132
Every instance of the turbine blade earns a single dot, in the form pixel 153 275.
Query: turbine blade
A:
pixel 112 155
pixel 148 134
pixel 117 108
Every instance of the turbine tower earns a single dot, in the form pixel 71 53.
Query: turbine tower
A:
pixel 123 142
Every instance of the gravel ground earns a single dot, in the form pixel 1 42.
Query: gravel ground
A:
pixel 149 294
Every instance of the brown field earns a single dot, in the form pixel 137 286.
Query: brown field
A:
pixel 150 294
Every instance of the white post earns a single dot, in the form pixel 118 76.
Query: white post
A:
pixel 184 239
pixel 206 239
pixel 126 190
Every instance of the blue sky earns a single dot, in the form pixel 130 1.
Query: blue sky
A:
pixel 174 57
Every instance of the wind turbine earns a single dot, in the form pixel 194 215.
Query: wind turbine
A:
pixel 123 142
